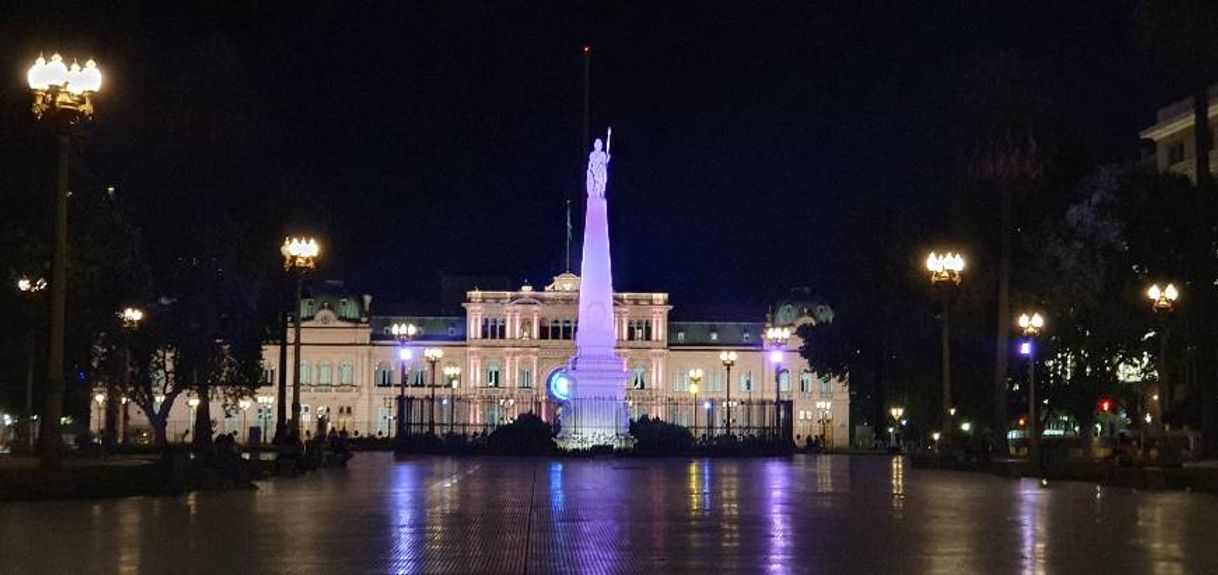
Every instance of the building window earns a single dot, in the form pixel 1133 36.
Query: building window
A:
pixel 346 373
pixel 681 336
pixel 805 381
pixel 784 380
pixel 638 330
pixel 526 379
pixel 1175 153
pixel 746 381
pixel 494 328
pixel 492 374
pixel 746 337
pixel 714 336
pixel 384 374
pixel 825 386
pixel 715 382
pixel 452 331
pixel 639 379
pixel 268 376
pixel 306 374
pixel 418 379
pixel 325 373
pixel 680 381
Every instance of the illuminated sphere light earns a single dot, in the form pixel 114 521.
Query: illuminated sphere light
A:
pixel 559 386
pixel 1025 348
pixel 775 356
pixel 405 354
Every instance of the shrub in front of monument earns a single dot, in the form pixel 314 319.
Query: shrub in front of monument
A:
pixel 527 435
pixel 658 437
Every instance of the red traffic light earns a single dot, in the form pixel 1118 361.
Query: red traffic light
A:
pixel 1105 405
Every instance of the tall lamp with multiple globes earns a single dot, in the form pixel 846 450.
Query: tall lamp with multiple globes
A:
pixel 728 359
pixel 30 288
pixel 1163 301
pixel 452 374
pixel 130 319
pixel 1031 325
pixel 63 97
pixel 695 382
pixel 946 272
pixel 896 412
pixel 299 258
pixel 403 332
pixel 776 340
pixel 433 355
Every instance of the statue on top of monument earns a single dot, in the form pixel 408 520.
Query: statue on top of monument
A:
pixel 598 163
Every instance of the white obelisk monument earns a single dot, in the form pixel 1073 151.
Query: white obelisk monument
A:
pixel 598 395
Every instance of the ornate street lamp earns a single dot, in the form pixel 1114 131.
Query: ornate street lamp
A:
pixel 824 410
pixel 130 319
pixel 695 380
pixel 299 258
pixel 728 359
pixel 1163 301
pixel 30 288
pixel 452 374
pixel 896 412
pixel 1031 325
pixel 244 406
pixel 776 340
pixel 100 399
pixel 264 408
pixel 433 355
pixel 946 272
pixel 63 97
pixel 403 332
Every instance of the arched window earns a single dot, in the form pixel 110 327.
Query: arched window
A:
pixel 680 381
pixel 346 373
pixel 492 373
pixel 384 374
pixel 825 386
pixel 784 380
pixel 805 381
pixel 639 378
pixel 306 374
pixel 325 373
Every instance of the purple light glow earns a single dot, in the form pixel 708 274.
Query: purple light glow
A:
pixel 776 356
pixel 1025 347
pixel 405 354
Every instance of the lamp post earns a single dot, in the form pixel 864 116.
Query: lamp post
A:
pixel 404 332
pixel 299 257
pixel 1031 325
pixel 63 97
pixel 945 272
pixel 695 380
pixel 776 338
pixel 728 359
pixel 130 318
pixel 452 374
pixel 100 399
pixel 895 412
pixel 193 403
pixel 244 405
pixel 823 408
pixel 1163 301
pixel 433 354
pixel 30 287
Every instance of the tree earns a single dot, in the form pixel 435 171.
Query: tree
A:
pixel 1006 150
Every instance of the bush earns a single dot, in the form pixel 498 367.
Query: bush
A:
pixel 657 437
pixel 527 435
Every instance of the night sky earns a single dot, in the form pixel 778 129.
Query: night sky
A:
pixel 749 145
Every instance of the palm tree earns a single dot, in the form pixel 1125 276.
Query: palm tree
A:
pixel 1005 151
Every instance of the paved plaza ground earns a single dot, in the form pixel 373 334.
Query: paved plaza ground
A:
pixel 824 514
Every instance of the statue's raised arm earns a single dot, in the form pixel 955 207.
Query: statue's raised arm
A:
pixel 598 162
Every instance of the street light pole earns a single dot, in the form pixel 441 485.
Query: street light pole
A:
pixel 131 318
pixel 62 97
pixel 433 354
pixel 777 338
pixel 945 270
pixel 728 358
pixel 695 380
pixel 1031 326
pixel 404 332
pixel 452 373
pixel 1163 301
pixel 299 257
pixel 30 287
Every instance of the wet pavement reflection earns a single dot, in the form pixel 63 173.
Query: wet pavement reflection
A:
pixel 826 514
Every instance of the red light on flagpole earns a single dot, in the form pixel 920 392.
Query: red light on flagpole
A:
pixel 587 48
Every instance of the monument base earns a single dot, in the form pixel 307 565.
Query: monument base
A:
pixel 596 413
